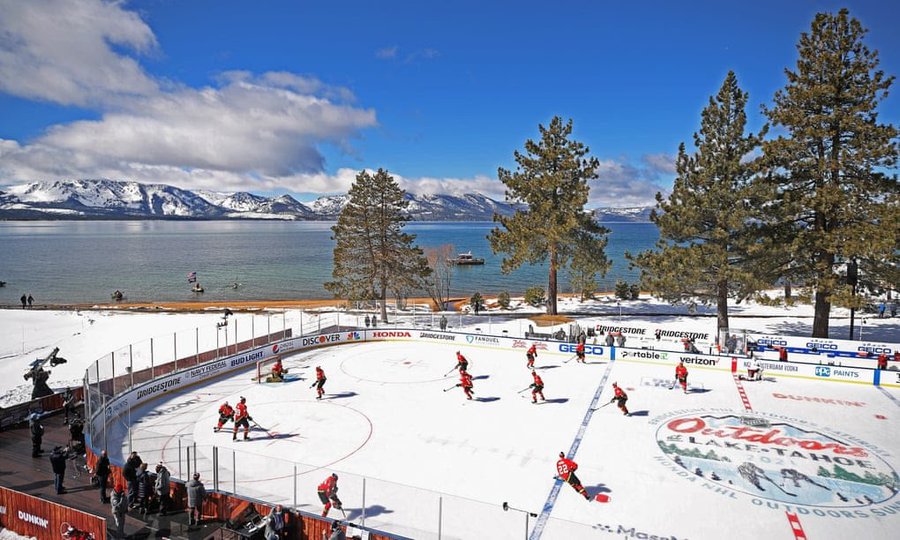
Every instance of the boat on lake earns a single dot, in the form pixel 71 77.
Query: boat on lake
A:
pixel 465 259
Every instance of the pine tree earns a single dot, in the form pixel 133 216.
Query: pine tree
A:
pixel 706 225
pixel 835 204
pixel 372 254
pixel 551 178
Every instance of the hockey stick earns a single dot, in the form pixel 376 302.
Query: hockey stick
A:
pixel 451 388
pixel 567 360
pixel 449 372
pixel 524 390
pixel 601 406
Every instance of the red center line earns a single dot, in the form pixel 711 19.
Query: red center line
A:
pixel 796 527
pixel 742 392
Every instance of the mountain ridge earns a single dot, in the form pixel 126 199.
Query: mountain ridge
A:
pixel 118 200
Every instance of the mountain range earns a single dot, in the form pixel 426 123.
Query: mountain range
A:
pixel 112 199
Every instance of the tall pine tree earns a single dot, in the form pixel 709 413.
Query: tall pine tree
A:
pixel 552 180
pixel 835 203
pixel 706 225
pixel 372 254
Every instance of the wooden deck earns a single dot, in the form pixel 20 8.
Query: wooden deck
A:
pixel 19 471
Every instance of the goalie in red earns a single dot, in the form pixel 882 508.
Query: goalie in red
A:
pixel 278 372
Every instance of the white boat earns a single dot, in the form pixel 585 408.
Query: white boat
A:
pixel 464 259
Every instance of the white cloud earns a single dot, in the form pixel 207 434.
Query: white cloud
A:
pixel 620 184
pixel 386 53
pixel 61 51
pixel 260 126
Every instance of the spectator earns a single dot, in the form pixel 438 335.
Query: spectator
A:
pixel 620 340
pixel 195 495
pixel 144 482
pixel 275 523
pixel 337 532
pixel 610 340
pixel 37 435
pixel 102 472
pixel 782 354
pixel 129 472
pixel 162 487
pixel 731 343
pixel 882 361
pixel 881 309
pixel 76 431
pixel 374 321
pixel 24 301
pixel 893 309
pixel 119 503
pixel 367 321
pixel 443 323
pixel 58 460
pixel 30 301
pixel 68 403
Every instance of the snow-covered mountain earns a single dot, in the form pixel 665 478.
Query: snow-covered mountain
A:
pixel 639 214
pixel 110 199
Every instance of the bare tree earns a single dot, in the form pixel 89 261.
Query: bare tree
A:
pixel 438 286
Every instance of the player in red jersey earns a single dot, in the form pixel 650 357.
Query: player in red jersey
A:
pixel 565 469
pixel 681 374
pixel 226 413
pixel 328 494
pixel 579 352
pixel 462 364
pixel 320 382
pixel 465 381
pixel 621 397
pixel 278 372
pixel 537 387
pixel 242 418
pixel 531 354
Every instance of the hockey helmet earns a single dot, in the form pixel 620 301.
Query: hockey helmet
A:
pixel 244 400
pixel 562 455
pixel 334 475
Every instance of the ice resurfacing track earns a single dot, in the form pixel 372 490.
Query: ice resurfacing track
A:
pixel 778 456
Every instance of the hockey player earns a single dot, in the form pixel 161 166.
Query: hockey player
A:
pixel 328 494
pixel 320 382
pixel 565 470
pixel 537 387
pixel 681 374
pixel 226 413
pixel 465 381
pixel 621 397
pixel 278 372
pixel 579 352
pixel 754 371
pixel 462 364
pixel 242 418
pixel 531 354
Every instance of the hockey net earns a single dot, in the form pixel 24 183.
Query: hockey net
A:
pixel 264 368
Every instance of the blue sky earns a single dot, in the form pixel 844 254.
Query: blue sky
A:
pixel 289 96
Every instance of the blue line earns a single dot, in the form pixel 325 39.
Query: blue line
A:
pixel 554 491
pixel 888 394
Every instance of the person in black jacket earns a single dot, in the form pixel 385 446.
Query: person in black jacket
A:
pixel 129 472
pixel 102 472
pixel 37 435
pixel 58 461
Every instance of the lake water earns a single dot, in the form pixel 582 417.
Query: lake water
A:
pixel 60 262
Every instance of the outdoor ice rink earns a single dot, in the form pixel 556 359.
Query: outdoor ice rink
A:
pixel 707 464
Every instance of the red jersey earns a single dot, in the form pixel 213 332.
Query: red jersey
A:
pixel 620 393
pixel 328 486
pixel 537 379
pixel 532 351
pixel 579 348
pixel 465 379
pixel 320 374
pixel 241 412
pixel 461 361
pixel 277 368
pixel 225 410
pixel 680 371
pixel 564 467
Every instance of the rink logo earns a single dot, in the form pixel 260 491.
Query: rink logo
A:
pixel 823 371
pixel 776 459
pixel 634 532
pixel 354 336
pixel 251 357
pixel 771 342
pixel 522 344
pixel 382 334
pixel 623 329
pixel 159 387
pixel 322 340
pixel 33 519
pixel 821 346
pixel 588 349
pixel 483 339
pixel 207 369
pixel 827 401
pixel 432 335
pixel 647 355
pixel 874 349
